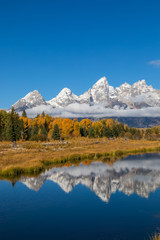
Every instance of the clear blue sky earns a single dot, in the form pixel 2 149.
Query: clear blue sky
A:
pixel 47 45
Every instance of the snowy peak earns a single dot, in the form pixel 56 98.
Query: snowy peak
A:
pixel 140 83
pixel 64 98
pixel 86 98
pixel 32 99
pixel 136 96
pixel 125 86
pixel 65 91
pixel 32 96
pixel 100 91
pixel 102 81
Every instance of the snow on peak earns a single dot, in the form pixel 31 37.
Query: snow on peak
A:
pixel 138 95
pixel 64 98
pixel 65 91
pixel 32 94
pixel 140 83
pixel 102 81
pixel 100 91
pixel 124 86
pixel 32 99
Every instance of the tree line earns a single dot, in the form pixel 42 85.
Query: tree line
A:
pixel 44 127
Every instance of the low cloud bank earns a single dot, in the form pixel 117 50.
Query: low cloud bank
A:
pixel 84 110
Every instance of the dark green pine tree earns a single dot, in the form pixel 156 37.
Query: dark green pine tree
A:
pixel 1 127
pixel 24 114
pixel 91 132
pixel 21 125
pixel 35 130
pixel 83 132
pixel 13 131
pixel 56 133
pixel 107 132
pixel 43 114
pixel 115 131
pixel 27 132
pixel 46 126
pixel 43 134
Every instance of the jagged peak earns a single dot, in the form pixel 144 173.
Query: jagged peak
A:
pixel 125 85
pixel 33 93
pixel 102 80
pixel 140 82
pixel 101 92
pixel 36 91
pixel 65 91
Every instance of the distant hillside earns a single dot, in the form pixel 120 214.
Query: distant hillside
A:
pixel 138 122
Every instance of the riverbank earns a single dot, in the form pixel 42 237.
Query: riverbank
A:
pixel 33 157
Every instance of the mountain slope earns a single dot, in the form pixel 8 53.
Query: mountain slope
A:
pixel 64 98
pixel 32 99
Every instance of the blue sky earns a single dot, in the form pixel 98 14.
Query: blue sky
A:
pixel 47 45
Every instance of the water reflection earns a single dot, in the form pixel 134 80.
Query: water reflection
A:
pixel 134 174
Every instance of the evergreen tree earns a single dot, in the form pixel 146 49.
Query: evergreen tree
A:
pixel 24 114
pixel 34 133
pixel 43 134
pixel 35 130
pixel 43 114
pixel 3 122
pixel 115 131
pixel 13 126
pixel 104 131
pixel 91 132
pixel 107 132
pixel 21 125
pixel 27 132
pixel 83 132
pixel 56 132
pixel 46 126
pixel 1 126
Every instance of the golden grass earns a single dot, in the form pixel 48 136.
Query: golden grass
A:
pixel 34 157
pixel 156 237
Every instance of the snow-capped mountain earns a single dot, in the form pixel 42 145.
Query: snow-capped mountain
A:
pixel 140 176
pixel 100 91
pixel 137 96
pixel 31 100
pixel 64 98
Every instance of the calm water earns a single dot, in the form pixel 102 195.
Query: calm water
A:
pixel 94 202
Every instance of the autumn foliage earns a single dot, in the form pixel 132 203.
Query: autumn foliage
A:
pixel 44 127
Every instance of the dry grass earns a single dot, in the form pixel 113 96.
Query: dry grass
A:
pixel 156 237
pixel 33 156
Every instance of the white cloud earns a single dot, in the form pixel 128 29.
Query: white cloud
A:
pixel 155 63
pixel 84 110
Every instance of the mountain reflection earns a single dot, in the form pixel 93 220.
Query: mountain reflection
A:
pixel 135 174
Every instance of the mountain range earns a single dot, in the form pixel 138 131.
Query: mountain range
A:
pixel 136 96
pixel 136 105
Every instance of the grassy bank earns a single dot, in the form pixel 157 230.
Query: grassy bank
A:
pixel 33 158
